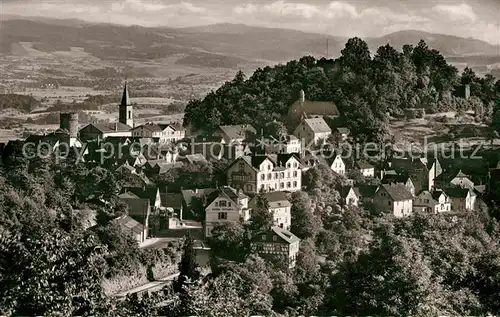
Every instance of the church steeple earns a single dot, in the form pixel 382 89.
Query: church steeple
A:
pixel 125 96
pixel 126 110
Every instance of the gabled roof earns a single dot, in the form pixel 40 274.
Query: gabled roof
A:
pixel 344 191
pixel 397 192
pixel 457 192
pixel 226 191
pixel 426 195
pixel 130 224
pixel 237 131
pixel 318 125
pixel 275 199
pixel 174 127
pixel 395 179
pixel 119 127
pixel 148 192
pixel 437 193
pixel 188 194
pixel 98 126
pixel 285 235
pixel 194 158
pixel 324 108
pixel 149 126
pixel 363 165
pixel 172 200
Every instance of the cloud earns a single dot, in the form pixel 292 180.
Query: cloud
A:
pixel 456 12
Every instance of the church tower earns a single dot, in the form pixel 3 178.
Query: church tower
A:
pixel 126 113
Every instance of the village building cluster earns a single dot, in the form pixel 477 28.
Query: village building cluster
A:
pixel 399 186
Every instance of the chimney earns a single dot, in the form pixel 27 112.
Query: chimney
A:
pixel 302 96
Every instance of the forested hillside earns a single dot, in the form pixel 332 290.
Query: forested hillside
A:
pixel 366 89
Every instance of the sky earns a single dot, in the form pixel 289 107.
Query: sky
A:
pixel 365 18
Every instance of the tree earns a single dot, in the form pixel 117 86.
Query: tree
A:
pixel 304 223
pixel 188 267
pixel 261 218
pixel 64 273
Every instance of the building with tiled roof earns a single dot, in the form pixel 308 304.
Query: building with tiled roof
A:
pixel 224 205
pixel 394 198
pixel 131 226
pixel 312 131
pixel 303 108
pixel 403 179
pixel 462 199
pixel 277 245
pixel 257 173
pixel 278 206
pixel 235 133
pixel 365 168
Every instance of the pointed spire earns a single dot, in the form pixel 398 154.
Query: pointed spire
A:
pixel 125 97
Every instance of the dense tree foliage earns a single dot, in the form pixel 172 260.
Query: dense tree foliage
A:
pixel 365 89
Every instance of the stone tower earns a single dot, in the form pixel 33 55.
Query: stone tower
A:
pixel 126 112
pixel 69 121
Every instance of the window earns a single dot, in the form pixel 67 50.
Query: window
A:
pixel 249 188
pixel 130 114
pixel 382 194
pixel 295 184
pixel 282 175
pixel 269 176
pixel 282 185
pixel 216 204
pixel 426 201
pixel 275 175
pixel 288 165
pixel 295 164
pixel 294 173
pixel 288 185
pixel 275 238
pixel 242 166
pixel 263 177
pixel 222 215
pixel 269 167
pixel 222 203
pixel 388 203
pixel 229 204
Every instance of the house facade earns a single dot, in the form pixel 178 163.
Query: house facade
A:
pixel 365 168
pixel 443 200
pixel 349 196
pixel 277 245
pixel 257 173
pixel 279 207
pixel 312 131
pixel 171 133
pixel 462 199
pixel 235 134
pixel 425 202
pixel 225 205
pixel 394 198
pixel 288 145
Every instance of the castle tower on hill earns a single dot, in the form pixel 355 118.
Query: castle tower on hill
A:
pixel 126 112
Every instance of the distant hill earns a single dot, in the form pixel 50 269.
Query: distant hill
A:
pixel 218 45
pixel 448 45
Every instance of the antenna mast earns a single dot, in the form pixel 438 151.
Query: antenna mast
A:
pixel 327 48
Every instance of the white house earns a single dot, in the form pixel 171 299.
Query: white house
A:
pixel 312 131
pixel 366 169
pixel 443 200
pixel 257 173
pixel 394 198
pixel 225 205
pixel 278 206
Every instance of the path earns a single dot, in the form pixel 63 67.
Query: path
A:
pixel 151 286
